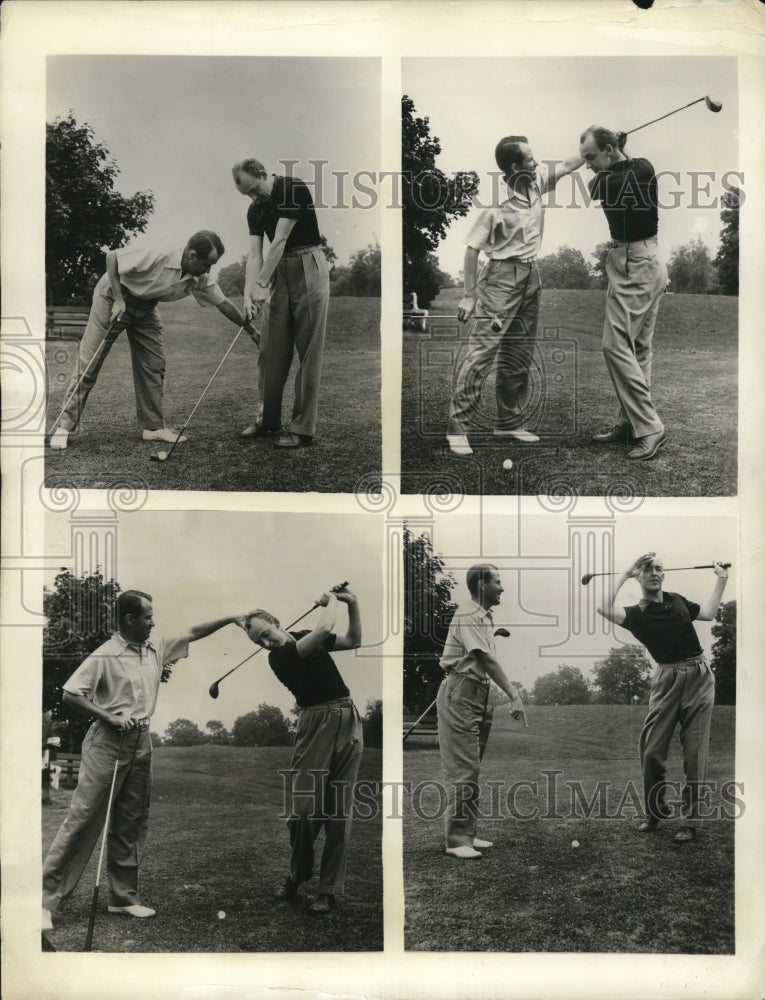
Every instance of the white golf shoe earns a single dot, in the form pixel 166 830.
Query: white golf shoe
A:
pixel 459 445
pixel 59 439
pixel 464 852
pixel 136 910
pixel 520 434
pixel 168 434
pixel 482 844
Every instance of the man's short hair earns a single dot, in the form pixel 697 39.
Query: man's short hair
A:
pixel 603 136
pixel 266 616
pixel 129 602
pixel 479 574
pixel 204 242
pixel 508 152
pixel 251 166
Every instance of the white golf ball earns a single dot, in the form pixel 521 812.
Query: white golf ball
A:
pixel 221 914
pixel 162 455
pixel 507 464
pixel 575 843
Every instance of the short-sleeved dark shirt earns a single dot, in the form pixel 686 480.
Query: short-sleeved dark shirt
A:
pixel 312 680
pixel 665 628
pixel 290 199
pixel 629 198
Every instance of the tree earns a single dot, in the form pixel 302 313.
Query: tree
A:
pixel 265 727
pixel 156 739
pixel 431 201
pixel 329 254
pixel 218 732
pixel 691 269
pixel 727 255
pixel 373 724
pixel 566 268
pixel 84 214
pixel 598 275
pixel 79 616
pixel 724 654
pixel 428 609
pixel 361 276
pixel 183 733
pixel 622 677
pixel 565 686
pixel 231 278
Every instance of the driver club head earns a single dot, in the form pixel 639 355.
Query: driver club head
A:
pixel 502 632
pixel 214 690
pixel 586 578
pixel 712 104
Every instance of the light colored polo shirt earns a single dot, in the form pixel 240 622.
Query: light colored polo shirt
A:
pixel 514 227
pixel 123 678
pixel 156 274
pixel 471 630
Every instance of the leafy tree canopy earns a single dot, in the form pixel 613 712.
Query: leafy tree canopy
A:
pixel 622 677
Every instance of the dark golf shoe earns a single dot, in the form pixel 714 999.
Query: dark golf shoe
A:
pixel 258 431
pixel 288 890
pixel 291 440
pixel 619 434
pixel 648 825
pixel 322 904
pixel 648 446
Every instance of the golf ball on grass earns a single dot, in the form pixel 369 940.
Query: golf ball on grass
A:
pixel 162 455
pixel 507 464
pixel 221 914
pixel 575 843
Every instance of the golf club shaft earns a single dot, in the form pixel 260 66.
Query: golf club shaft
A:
pixel 94 903
pixel 662 117
pixel 416 724
pixel 72 394
pixel 339 586
pixel 672 569
pixel 205 390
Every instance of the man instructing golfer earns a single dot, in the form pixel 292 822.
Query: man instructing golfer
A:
pixel 682 686
pixel 504 298
pixel 291 281
pixel 328 744
pixel 464 715
pixel 637 278
pixel 118 684
pixel 126 298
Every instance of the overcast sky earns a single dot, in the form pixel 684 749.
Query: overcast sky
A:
pixel 202 565
pixel 471 103
pixel 542 590
pixel 176 125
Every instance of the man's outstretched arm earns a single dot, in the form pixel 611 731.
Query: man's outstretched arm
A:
pixel 708 610
pixel 607 607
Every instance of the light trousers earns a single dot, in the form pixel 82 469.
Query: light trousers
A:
pixel 144 331
pixel 296 320
pixel 507 292
pixel 73 845
pixel 637 278
pixel 464 722
pixel 681 693
pixel 325 764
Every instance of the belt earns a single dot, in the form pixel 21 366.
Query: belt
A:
pixel 298 251
pixel 613 244
pixel 684 664
pixel 143 723
pixel 337 703
pixel 516 260
pixel 470 677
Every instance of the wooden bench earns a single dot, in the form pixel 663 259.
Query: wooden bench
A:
pixel 70 768
pixel 427 729
pixel 66 322
pixel 413 316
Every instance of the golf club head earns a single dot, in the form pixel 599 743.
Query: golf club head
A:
pixel 214 690
pixel 502 632
pixel 586 578
pixel 712 104
pixel 161 456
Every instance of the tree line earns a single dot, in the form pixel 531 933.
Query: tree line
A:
pixel 621 677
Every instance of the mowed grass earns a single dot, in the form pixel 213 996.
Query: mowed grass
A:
pixel 216 843
pixel 619 891
pixel 694 389
pixel 108 450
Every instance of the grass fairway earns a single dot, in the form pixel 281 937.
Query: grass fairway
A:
pixel 694 388
pixel 216 843
pixel 108 449
pixel 620 891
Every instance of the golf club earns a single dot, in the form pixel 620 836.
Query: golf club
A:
pixel 710 103
pixel 214 689
pixel 163 456
pixel 94 902
pixel 96 354
pixel 503 633
pixel 675 569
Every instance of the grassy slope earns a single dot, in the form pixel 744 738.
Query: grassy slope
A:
pixel 216 843
pixel 694 387
pixel 620 891
pixel 109 450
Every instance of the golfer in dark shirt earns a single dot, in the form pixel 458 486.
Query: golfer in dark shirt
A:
pixel 328 742
pixel 682 686
pixel 292 278
pixel 637 278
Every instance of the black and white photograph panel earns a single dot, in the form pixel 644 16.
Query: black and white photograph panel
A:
pixel 210 725
pixel 569 734
pixel 571 273
pixel 212 272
